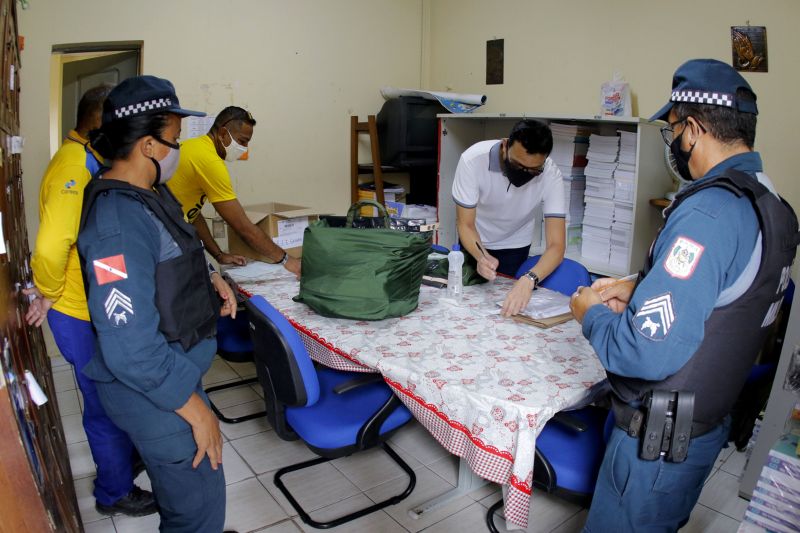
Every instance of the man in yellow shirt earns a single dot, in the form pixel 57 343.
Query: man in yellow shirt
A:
pixel 60 296
pixel 202 175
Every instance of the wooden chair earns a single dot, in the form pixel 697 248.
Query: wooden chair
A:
pixel 357 128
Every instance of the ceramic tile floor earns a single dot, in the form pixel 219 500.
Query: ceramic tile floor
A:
pixel 252 453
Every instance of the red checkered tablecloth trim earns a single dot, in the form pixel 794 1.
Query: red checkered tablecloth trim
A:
pixel 310 339
pixel 322 354
pixel 323 351
pixel 485 460
pixel 517 505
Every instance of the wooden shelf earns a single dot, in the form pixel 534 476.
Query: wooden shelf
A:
pixel 660 202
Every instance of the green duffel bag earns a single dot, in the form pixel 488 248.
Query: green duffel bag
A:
pixel 361 273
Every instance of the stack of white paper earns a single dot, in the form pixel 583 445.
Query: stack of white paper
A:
pixel 570 145
pixel 598 215
pixel 624 176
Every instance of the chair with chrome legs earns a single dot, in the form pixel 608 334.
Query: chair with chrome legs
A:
pixel 335 413
pixel 234 345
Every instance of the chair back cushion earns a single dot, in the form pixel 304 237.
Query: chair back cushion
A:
pixel 565 279
pixel 278 348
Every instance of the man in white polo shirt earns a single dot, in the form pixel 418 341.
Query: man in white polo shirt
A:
pixel 498 185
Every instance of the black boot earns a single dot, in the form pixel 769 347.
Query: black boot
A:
pixel 137 502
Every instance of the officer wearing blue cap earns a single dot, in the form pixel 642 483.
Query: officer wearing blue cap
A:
pixel 678 344
pixel 153 305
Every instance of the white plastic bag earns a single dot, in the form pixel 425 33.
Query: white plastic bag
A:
pixel 615 98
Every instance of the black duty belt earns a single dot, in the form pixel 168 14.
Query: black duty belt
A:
pixel 631 420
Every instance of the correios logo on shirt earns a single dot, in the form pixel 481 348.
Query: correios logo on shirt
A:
pixel 193 212
pixel 69 187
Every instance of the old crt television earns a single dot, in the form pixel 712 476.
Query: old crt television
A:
pixel 407 131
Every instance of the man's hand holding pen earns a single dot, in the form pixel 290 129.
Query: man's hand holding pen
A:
pixel 487 265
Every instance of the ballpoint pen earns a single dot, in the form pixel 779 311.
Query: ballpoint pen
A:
pixel 629 277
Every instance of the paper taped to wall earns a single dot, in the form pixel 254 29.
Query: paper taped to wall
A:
pixel 453 102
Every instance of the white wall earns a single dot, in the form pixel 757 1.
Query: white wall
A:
pixel 302 67
pixel 558 53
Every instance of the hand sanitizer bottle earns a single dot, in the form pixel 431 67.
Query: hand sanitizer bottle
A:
pixel 455 285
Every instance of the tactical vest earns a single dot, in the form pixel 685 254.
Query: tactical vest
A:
pixel 734 333
pixel 185 298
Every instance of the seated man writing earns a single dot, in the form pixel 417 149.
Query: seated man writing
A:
pixel 498 185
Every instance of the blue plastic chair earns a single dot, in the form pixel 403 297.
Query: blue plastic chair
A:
pixel 565 279
pixel 335 413
pixel 570 447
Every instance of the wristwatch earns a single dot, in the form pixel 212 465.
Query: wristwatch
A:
pixel 284 258
pixel 531 275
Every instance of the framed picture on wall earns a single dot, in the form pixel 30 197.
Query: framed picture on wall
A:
pixel 749 48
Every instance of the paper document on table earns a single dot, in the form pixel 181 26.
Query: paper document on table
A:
pixel 546 303
pixel 546 308
pixel 252 270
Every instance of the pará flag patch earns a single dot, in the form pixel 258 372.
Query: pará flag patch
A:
pixel 110 269
pixel 684 254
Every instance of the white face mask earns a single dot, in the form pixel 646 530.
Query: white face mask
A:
pixel 234 150
pixel 167 166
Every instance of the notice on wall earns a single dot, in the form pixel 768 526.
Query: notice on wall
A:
pixel 197 126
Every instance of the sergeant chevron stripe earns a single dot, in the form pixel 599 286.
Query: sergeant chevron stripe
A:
pixel 117 298
pixel 658 316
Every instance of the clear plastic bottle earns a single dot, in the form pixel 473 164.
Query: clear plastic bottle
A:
pixel 455 285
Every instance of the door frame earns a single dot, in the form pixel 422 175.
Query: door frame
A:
pixel 66 53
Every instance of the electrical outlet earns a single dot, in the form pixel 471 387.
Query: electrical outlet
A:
pixel 218 228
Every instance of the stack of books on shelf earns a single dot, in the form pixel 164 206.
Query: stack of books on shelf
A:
pixel 775 504
pixel 570 145
pixel 598 214
pixel 393 194
pixel 624 176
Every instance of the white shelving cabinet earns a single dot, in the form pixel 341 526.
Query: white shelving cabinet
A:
pixel 459 132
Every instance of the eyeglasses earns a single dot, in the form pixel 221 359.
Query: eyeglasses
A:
pixel 668 131
pixel 533 171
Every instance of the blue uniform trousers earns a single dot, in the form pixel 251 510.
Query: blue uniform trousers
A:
pixel 112 450
pixel 190 500
pixel 634 495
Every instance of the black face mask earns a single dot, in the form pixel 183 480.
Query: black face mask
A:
pixel 681 157
pixel 516 176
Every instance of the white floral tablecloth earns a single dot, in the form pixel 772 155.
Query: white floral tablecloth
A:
pixel 483 385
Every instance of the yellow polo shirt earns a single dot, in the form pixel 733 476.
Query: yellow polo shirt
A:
pixel 201 175
pixel 55 263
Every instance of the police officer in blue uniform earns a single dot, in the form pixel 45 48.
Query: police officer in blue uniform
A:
pixel 678 345
pixel 153 305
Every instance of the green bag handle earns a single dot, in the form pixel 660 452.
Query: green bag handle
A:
pixel 351 213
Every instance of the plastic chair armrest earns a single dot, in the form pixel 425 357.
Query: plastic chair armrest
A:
pixel 571 422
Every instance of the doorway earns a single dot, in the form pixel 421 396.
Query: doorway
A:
pixel 75 68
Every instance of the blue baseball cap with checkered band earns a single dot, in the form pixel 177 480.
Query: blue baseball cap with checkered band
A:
pixel 143 95
pixel 708 81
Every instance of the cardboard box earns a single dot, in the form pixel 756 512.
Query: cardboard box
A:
pixel 284 223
